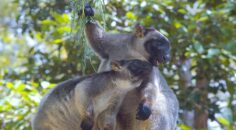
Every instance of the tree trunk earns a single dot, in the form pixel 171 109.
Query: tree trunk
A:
pixel 201 108
pixel 199 116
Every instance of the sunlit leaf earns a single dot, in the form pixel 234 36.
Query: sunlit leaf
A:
pixel 223 121
pixel 62 30
pixel 10 85
pixel 57 41
pixel 184 127
pixel 48 22
pixel 38 36
pixel 130 15
pixel 177 24
pixel 182 11
pixel 203 19
pixel 7 39
pixel 64 18
pixel 20 87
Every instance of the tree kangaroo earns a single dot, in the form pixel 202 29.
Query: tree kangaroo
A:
pixel 65 107
pixel 155 98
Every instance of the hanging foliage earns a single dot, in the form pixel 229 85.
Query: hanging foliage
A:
pixel 79 21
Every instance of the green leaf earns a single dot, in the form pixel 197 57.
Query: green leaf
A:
pixel 198 47
pixel 223 121
pixel 7 39
pixel 203 19
pixel 182 11
pixel 212 52
pixel 57 41
pixel 47 22
pixel 229 54
pixel 20 87
pixel 148 20
pixel 63 19
pixel 38 36
pixel 131 15
pixel 177 24
pixel 164 32
pixel 231 45
pixel 10 85
pixel 184 127
pixel 66 18
pixel 62 30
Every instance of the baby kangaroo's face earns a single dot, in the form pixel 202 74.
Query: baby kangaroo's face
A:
pixel 134 69
pixel 139 69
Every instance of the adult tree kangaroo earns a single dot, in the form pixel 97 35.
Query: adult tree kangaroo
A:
pixel 155 106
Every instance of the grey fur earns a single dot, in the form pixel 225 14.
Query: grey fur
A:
pixel 164 105
pixel 65 106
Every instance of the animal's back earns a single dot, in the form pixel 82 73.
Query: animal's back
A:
pixel 62 118
pixel 57 110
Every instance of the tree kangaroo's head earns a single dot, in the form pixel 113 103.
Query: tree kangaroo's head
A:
pixel 133 69
pixel 154 46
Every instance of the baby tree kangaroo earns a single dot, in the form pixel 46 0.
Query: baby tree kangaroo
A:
pixel 65 107
pixel 153 98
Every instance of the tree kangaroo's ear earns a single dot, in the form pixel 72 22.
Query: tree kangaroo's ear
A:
pixel 139 31
pixel 116 65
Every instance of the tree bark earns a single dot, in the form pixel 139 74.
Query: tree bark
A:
pixel 201 108
pixel 199 116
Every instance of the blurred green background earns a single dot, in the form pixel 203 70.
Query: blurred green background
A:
pixel 40 46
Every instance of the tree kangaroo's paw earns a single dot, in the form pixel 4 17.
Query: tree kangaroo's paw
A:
pixel 143 112
pixel 88 11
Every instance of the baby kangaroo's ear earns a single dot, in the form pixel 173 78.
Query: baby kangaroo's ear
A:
pixel 116 65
